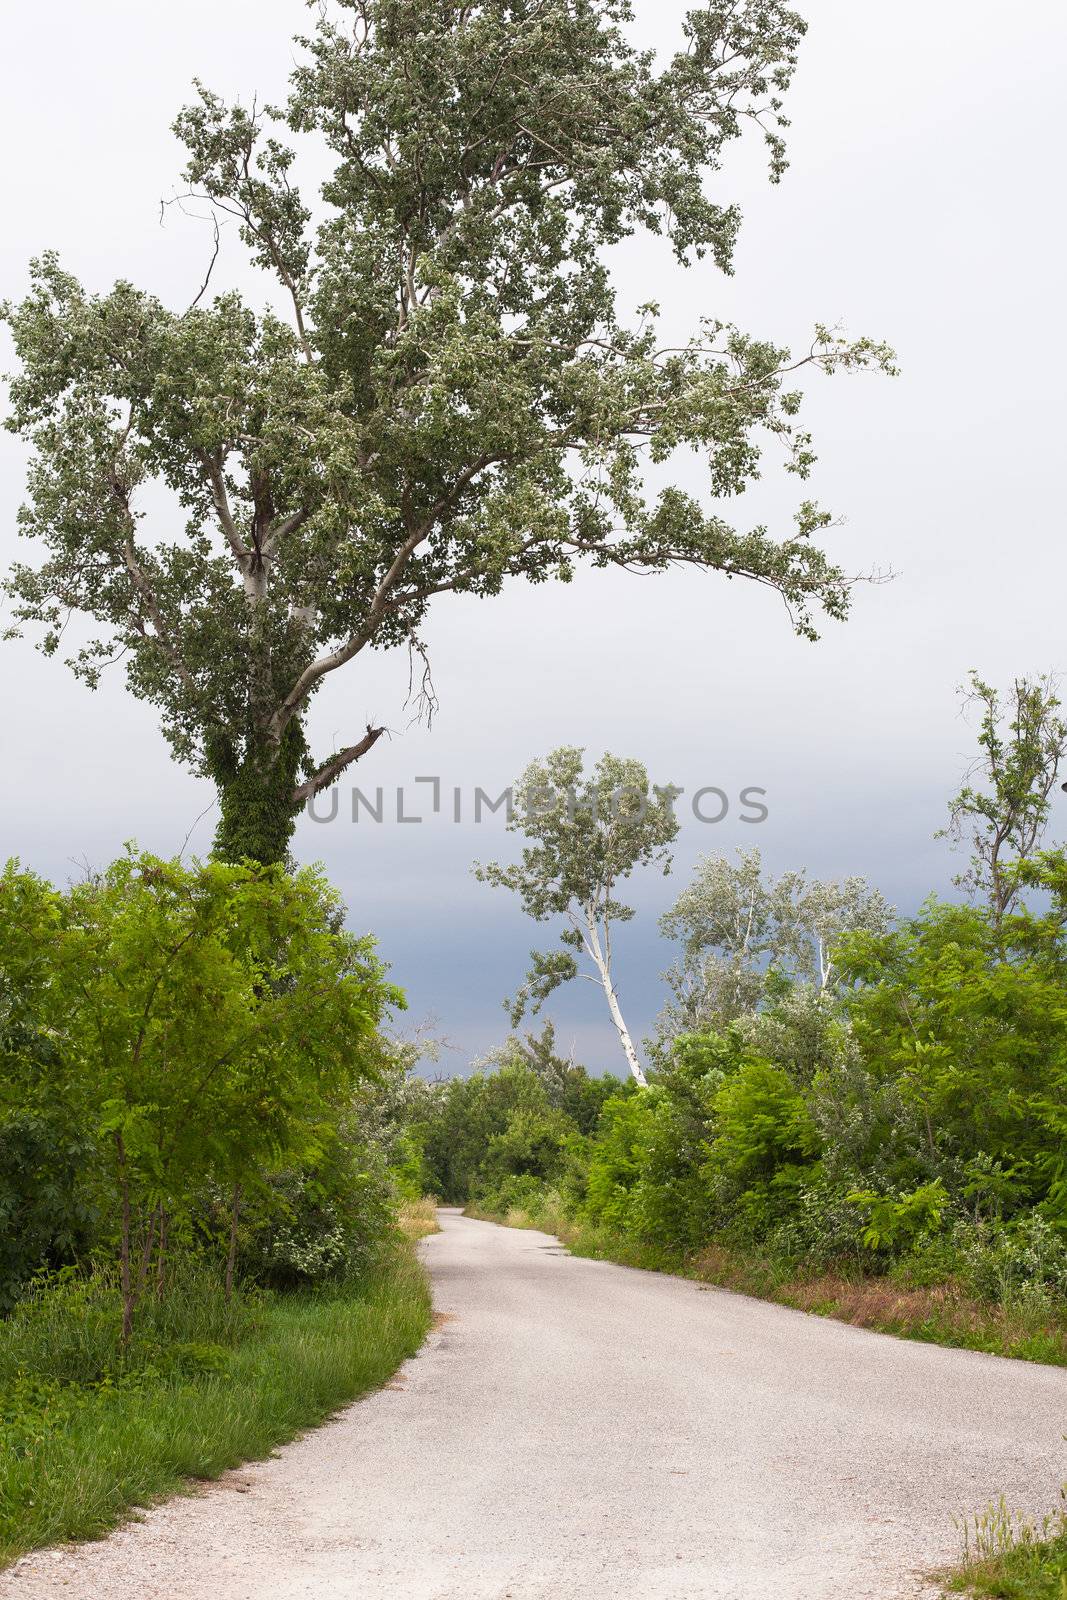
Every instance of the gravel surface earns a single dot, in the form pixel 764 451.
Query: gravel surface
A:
pixel 577 1429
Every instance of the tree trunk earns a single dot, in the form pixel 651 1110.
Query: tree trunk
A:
pixel 627 1043
pixel 124 1244
pixel 603 967
pixel 231 1254
pixel 256 798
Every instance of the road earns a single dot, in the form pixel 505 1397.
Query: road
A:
pixel 577 1429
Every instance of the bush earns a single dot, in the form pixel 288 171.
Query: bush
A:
pixel 318 1223
pixel 1017 1263
pixel 616 1161
pixel 519 1191
pixel 46 1217
pixel 764 1145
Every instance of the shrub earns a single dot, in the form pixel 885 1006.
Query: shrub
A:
pixel 765 1144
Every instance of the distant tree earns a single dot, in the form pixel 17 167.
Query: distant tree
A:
pixel 1002 811
pixel 454 401
pixel 567 1085
pixel 585 833
pixel 743 932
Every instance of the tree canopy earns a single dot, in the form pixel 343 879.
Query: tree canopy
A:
pixel 455 398
pixel 187 1026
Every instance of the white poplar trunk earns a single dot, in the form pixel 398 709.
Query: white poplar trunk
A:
pixel 604 969
pixel 624 1034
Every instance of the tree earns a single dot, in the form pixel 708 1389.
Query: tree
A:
pixel 453 400
pixel 742 932
pixel 586 833
pixel 567 1085
pixel 1002 810
pixel 203 1019
pixel 966 1025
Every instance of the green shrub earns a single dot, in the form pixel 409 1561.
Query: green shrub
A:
pixel 616 1160
pixel 315 1224
pixel 47 1218
pixel 518 1191
pixel 764 1145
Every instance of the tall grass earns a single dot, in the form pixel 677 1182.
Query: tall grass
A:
pixel 417 1218
pixel 1009 1557
pixel 87 1434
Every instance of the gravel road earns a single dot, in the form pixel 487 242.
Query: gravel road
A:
pixel 577 1429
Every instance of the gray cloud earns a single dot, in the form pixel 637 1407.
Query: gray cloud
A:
pixel 918 207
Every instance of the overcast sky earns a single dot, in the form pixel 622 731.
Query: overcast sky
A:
pixel 920 206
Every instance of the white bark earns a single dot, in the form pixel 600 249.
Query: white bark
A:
pixel 604 969
pixel 254 580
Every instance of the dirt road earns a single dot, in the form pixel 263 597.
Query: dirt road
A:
pixel 576 1429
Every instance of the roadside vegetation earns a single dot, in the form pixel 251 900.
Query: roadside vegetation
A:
pixel 90 1433
pixel 202 1162
pixel 856 1114
pixel 1009 1557
pixel 206 1140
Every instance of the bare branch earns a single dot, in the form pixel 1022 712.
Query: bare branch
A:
pixel 333 768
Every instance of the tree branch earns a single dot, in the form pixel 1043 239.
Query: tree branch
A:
pixel 143 587
pixel 379 605
pixel 221 501
pixel 335 766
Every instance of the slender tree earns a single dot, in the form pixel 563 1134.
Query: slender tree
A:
pixel 454 398
pixel 585 834
pixel 1001 812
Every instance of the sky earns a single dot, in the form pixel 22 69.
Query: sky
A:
pixel 919 207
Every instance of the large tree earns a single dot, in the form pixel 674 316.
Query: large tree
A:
pixel 453 398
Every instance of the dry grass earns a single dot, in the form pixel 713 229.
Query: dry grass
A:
pixel 942 1313
pixel 417 1218
pixel 939 1314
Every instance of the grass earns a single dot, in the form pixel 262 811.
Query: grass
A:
pixel 86 1436
pixel 417 1218
pixel 936 1314
pixel 1008 1557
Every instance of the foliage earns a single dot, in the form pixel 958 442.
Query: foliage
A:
pixel 973 1052
pixel 477 1132
pixel 896 1220
pixel 889 1144
pixel 585 833
pixel 1002 810
pixel 746 937
pixel 764 1139
pixel 453 400
pixel 193 1072
pixel 46 1215
pixel 616 1159
pixel 205 1027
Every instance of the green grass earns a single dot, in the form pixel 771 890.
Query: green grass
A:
pixel 934 1314
pixel 1012 1558
pixel 86 1435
